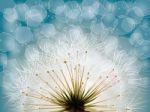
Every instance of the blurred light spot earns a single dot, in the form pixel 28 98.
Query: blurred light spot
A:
pixel 23 35
pixel 21 11
pixel 8 44
pixel 35 15
pixel 144 28
pixel 48 30
pixel 109 20
pixel 10 14
pixel 136 39
pixel 72 10
pixel 90 9
pixel 120 8
pixel 125 26
pixel 5 40
pixel 10 27
pixel 128 24
pixel 57 6
pixel 109 7
pixel 136 13
pixel 143 51
pixel 144 5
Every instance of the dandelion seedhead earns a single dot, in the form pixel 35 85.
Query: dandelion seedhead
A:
pixel 71 93
pixel 73 75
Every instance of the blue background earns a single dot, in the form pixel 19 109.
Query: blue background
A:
pixel 142 27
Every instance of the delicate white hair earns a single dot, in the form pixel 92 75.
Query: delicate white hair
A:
pixel 99 55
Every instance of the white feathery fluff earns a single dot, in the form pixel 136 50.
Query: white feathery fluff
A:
pixel 100 55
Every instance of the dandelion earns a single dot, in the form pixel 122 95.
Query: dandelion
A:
pixel 71 93
pixel 73 75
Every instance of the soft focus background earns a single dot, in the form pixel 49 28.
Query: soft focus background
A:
pixel 23 21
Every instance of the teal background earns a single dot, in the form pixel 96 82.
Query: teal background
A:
pixel 144 55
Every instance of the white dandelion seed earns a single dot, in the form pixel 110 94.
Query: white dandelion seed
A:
pixel 73 74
